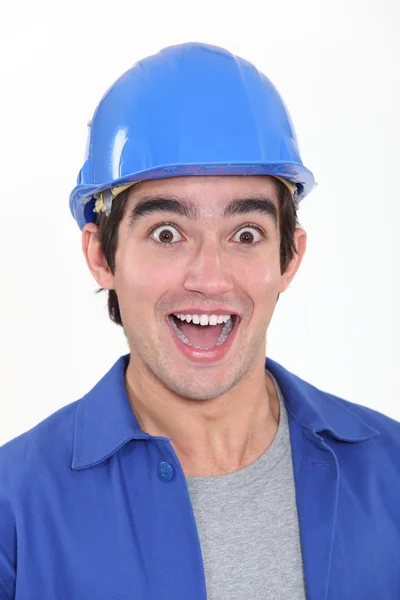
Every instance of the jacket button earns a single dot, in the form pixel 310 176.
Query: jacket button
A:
pixel 165 471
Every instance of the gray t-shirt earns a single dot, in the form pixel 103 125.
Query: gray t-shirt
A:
pixel 248 526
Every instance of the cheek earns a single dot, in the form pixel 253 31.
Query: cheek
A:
pixel 261 276
pixel 140 277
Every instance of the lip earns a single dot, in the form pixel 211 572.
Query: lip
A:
pixel 198 311
pixel 206 356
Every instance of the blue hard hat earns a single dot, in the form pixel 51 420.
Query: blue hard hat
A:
pixel 190 109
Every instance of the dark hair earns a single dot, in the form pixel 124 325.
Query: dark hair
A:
pixel 108 235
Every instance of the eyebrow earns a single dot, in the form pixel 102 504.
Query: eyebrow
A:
pixel 149 205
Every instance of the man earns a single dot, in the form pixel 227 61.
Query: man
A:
pixel 197 468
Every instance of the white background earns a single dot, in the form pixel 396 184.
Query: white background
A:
pixel 336 64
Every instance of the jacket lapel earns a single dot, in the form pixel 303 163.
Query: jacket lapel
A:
pixel 317 480
pixel 314 418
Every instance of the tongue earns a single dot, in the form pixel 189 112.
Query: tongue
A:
pixel 205 336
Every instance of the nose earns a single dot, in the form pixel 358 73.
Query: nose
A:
pixel 209 270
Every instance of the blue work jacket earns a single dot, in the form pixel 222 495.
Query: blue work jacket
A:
pixel 94 508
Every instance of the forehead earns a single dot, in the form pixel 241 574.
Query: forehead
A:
pixel 209 193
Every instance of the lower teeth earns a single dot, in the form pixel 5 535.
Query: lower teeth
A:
pixel 221 339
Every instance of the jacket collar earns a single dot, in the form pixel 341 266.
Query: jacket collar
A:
pixel 105 420
pixel 319 411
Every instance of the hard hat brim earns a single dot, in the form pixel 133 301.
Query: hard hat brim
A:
pixel 82 198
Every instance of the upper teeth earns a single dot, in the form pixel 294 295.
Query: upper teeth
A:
pixel 204 319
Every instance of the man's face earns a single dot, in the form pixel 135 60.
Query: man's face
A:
pixel 169 263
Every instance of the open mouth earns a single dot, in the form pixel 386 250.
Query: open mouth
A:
pixel 203 337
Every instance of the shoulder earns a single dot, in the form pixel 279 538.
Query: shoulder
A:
pixel 387 427
pixel 29 464
pixel 371 417
pixel 25 455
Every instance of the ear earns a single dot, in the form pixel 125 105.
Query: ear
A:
pixel 95 259
pixel 300 242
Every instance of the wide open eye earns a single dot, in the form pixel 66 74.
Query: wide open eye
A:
pixel 247 235
pixel 164 234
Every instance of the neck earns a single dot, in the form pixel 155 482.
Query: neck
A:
pixel 210 437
